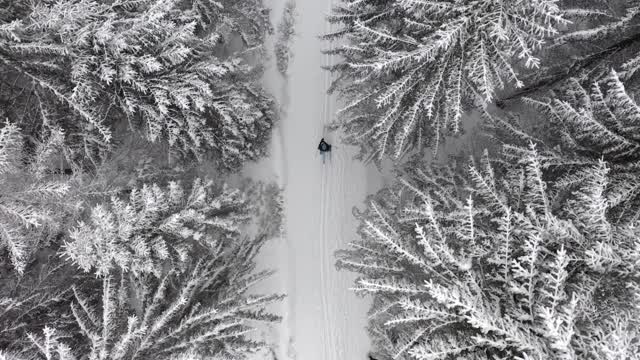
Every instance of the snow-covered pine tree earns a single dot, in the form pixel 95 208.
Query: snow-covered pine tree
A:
pixel 406 67
pixel 203 311
pixel 157 227
pixel 284 39
pixel 267 202
pixel 138 63
pixel 38 297
pixel 170 275
pixel 248 19
pixel 499 266
pixel 35 202
pixel 576 125
pixel 602 35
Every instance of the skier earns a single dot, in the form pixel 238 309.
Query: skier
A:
pixel 324 147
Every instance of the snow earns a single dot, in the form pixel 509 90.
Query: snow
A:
pixel 323 319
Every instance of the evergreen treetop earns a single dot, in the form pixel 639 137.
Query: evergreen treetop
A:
pixel 155 226
pixel 408 66
pixel 36 204
pixel 577 125
pixel 499 266
pixel 147 65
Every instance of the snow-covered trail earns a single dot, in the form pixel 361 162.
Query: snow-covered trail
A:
pixel 326 320
pixel 322 317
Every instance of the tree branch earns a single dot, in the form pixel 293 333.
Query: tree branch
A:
pixel 574 69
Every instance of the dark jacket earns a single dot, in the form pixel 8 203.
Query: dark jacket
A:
pixel 323 146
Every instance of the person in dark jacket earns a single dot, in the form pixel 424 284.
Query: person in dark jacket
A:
pixel 324 147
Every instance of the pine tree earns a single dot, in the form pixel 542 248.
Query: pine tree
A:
pixel 408 66
pixel 35 203
pixel 499 264
pixel 584 122
pixel 285 34
pixel 206 313
pixel 248 19
pixel 201 312
pixel 91 67
pixel 37 298
pixel 156 227
pixel 602 35
pixel 164 275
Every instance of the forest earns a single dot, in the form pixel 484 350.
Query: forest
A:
pixel 123 120
pixel 120 238
pixel 524 245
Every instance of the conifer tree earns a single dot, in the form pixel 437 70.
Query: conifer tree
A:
pixel 38 297
pixel 408 66
pixel 578 124
pixel 285 34
pixel 92 66
pixel 34 201
pixel 164 275
pixel 203 312
pixel 200 312
pixel 248 19
pixel 499 264
pixel 409 69
pixel 157 226
pixel 602 35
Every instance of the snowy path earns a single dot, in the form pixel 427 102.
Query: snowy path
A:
pixel 323 319
pixel 326 320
